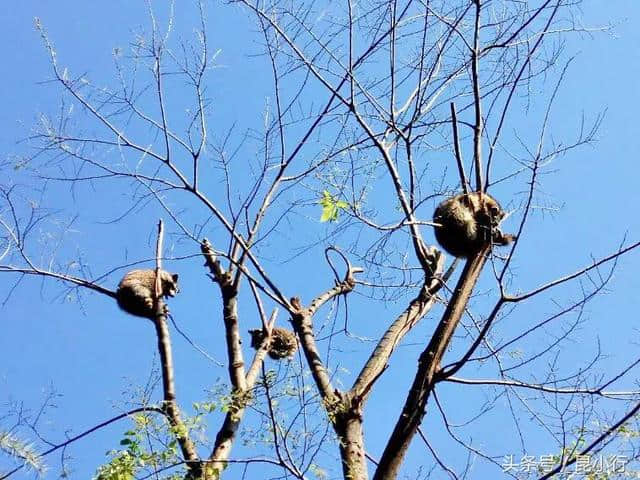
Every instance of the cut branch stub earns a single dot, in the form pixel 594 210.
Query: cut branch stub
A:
pixel 217 273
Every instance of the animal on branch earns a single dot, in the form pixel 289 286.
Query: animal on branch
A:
pixel 283 342
pixel 468 222
pixel 136 291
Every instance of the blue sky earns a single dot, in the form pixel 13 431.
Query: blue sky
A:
pixel 90 355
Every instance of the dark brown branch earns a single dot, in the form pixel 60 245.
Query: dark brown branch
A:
pixel 169 404
pixel 81 282
pixel 567 278
pixel 428 369
pixel 303 326
pixel 301 318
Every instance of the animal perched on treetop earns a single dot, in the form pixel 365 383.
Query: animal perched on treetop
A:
pixel 468 222
pixel 136 291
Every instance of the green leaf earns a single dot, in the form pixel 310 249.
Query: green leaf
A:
pixel 331 207
pixel 329 214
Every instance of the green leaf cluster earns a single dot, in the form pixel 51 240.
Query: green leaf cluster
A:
pixel 331 207
pixel 127 462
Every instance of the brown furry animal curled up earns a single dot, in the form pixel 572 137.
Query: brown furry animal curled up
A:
pixel 283 342
pixel 135 293
pixel 468 222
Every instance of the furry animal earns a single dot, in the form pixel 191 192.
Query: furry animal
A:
pixel 135 293
pixel 468 222
pixel 283 342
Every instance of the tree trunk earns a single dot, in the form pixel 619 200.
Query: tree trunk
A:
pixel 351 438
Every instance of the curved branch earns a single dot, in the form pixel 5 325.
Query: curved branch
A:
pixel 60 276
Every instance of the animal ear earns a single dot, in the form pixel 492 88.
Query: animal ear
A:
pixel 175 277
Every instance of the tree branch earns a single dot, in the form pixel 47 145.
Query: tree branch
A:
pixel 456 146
pixel 416 310
pixel 169 405
pixel 428 368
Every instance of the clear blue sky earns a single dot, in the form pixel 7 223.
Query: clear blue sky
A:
pixel 91 355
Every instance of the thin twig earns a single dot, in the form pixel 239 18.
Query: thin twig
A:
pixel 456 145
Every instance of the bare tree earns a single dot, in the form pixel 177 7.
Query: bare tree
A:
pixel 376 112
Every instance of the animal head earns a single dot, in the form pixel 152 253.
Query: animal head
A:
pixel 169 283
pixel 493 209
